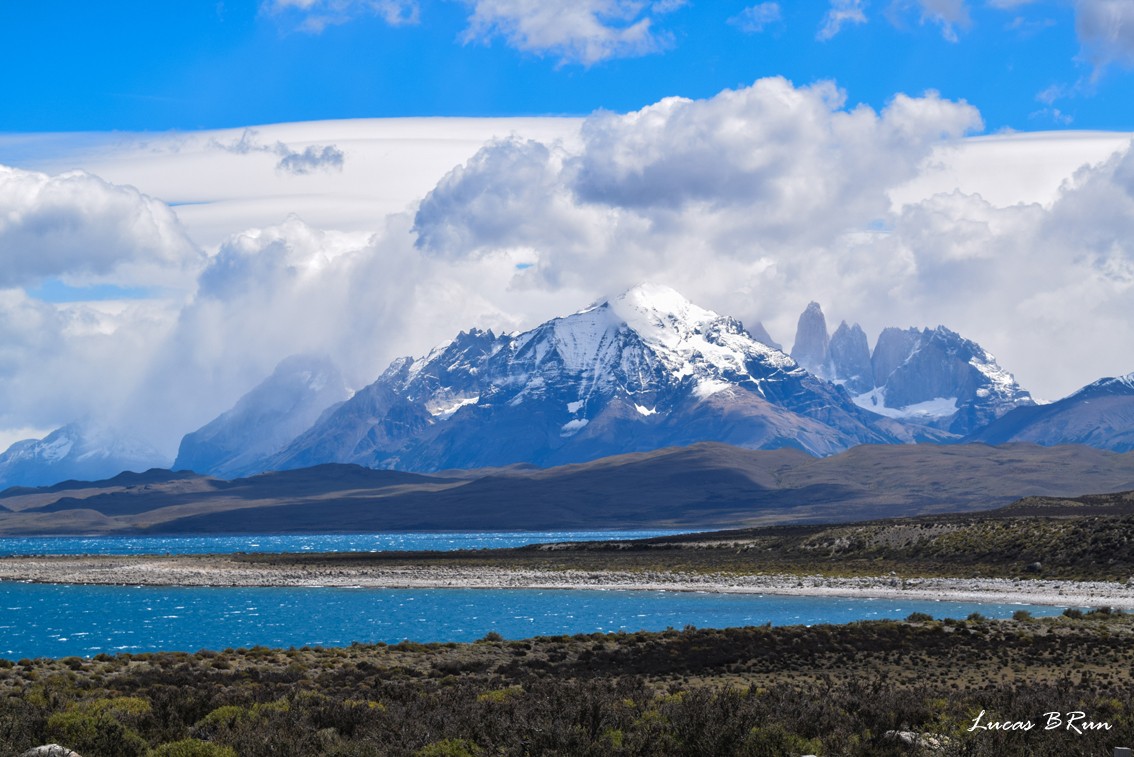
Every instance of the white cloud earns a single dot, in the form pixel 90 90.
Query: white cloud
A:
pixel 316 15
pixel 1106 31
pixel 770 154
pixel 61 362
pixel 756 18
pixel 575 31
pixel 77 225
pixel 841 12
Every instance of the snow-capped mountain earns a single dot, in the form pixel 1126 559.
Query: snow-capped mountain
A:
pixel 640 371
pixel 81 451
pixel 933 377
pixel 1100 414
pixel 265 419
pixel 938 377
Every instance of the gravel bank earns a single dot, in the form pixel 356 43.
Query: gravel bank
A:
pixel 213 570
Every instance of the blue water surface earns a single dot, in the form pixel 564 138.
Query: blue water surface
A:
pixel 53 620
pixel 375 542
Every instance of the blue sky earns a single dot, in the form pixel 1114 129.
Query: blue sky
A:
pixel 144 65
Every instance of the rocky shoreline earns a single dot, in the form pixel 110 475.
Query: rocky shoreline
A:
pixel 222 571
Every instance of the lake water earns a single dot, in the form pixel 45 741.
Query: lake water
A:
pixel 45 620
pixel 378 542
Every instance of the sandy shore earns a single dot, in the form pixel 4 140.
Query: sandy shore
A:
pixel 219 571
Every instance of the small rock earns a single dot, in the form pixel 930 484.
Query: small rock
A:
pixel 1035 567
pixel 931 742
pixel 50 750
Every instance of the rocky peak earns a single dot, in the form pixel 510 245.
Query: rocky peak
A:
pixel 812 344
pixel 850 358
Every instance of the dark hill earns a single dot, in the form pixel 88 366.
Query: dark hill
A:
pixel 702 486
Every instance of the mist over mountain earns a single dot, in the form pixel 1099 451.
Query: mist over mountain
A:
pixel 641 371
pixel 265 419
pixel 80 450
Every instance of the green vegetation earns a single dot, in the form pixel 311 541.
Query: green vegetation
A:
pixel 993 545
pixel 828 690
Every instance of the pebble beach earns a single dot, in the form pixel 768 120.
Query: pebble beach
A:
pixel 221 571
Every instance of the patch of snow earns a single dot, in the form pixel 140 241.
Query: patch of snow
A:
pixel 443 408
pixel 938 407
pixel 56 449
pixel 1003 382
pixel 706 388
pixel 570 428
pixel 574 407
pixel 646 411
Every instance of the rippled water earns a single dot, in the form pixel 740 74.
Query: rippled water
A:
pixel 179 545
pixel 60 620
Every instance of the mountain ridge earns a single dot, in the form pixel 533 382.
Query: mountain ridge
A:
pixel 707 485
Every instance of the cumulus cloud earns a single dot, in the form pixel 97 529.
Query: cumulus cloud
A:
pixel 316 15
pixel 77 225
pixel 756 18
pixel 1106 31
pixel 575 31
pixel 762 158
pixel 312 158
pixel 840 13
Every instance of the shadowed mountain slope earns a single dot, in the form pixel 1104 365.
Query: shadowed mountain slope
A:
pixel 703 486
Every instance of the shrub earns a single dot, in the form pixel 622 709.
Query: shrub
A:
pixel 919 617
pixel 192 748
pixel 94 734
pixel 1021 615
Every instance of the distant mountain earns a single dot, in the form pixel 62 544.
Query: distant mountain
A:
pixel 849 357
pixel 76 451
pixel 933 377
pixel 812 343
pixel 1100 415
pixel 938 377
pixel 701 486
pixel 264 420
pixel 640 371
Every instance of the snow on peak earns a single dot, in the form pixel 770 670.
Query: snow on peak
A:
pixel 660 305
pixel 688 339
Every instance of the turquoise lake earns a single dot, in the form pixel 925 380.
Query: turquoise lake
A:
pixel 46 620
pixel 376 542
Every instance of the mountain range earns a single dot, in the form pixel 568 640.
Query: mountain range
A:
pixel 641 371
